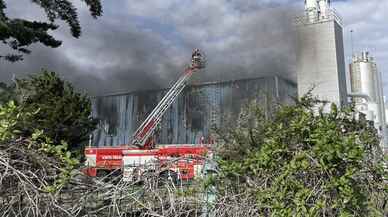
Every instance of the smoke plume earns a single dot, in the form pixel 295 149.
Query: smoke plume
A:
pixel 145 44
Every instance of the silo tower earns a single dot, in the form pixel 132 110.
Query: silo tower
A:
pixel 320 52
pixel 364 78
pixel 367 91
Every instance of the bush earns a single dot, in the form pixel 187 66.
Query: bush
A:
pixel 305 162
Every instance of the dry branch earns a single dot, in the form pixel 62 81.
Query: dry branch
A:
pixel 26 175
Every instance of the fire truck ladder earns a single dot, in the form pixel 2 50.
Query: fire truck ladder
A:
pixel 147 128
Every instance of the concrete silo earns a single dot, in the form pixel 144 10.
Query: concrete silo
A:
pixel 367 91
pixel 320 53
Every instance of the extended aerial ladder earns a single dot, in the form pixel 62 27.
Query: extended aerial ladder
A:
pixel 143 135
pixel 128 158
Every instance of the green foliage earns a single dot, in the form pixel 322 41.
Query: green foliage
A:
pixel 7 93
pixel 245 135
pixel 47 103
pixel 306 162
pixel 60 112
pixel 18 34
pixel 61 152
pixel 51 117
pixel 11 117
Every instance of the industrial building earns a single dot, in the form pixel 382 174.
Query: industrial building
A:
pixel 192 116
pixel 320 65
pixel 320 53
pixel 320 68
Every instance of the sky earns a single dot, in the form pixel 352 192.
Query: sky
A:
pixel 145 44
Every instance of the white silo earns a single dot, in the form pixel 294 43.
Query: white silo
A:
pixel 364 79
pixel 367 90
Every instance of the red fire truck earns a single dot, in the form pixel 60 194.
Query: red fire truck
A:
pixel 143 156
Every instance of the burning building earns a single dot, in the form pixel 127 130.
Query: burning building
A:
pixel 320 63
pixel 198 110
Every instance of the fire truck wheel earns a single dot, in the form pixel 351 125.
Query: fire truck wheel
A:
pixel 168 176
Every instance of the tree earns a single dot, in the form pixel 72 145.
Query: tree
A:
pixel 19 34
pixel 305 162
pixel 58 110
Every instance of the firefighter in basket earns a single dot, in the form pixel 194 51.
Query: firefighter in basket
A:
pixel 196 58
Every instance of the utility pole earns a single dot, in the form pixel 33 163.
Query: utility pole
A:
pixel 351 41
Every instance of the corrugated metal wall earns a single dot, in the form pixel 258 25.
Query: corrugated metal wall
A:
pixel 193 114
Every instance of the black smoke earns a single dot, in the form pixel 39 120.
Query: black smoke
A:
pixel 122 52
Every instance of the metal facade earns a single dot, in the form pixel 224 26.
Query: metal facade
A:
pixel 364 78
pixel 193 115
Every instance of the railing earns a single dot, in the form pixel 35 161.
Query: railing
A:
pixel 312 18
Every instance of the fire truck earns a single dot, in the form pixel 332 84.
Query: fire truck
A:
pixel 142 156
